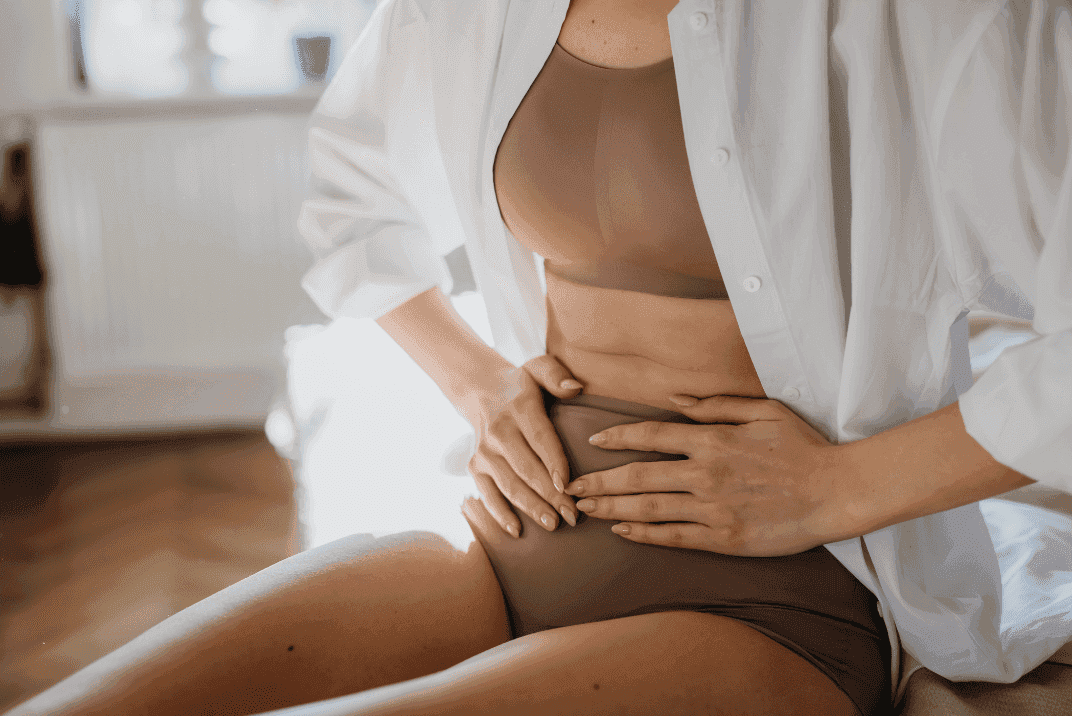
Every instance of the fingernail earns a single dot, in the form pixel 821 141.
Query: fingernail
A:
pixel 621 529
pixel 684 401
pixel 548 521
pixel 598 439
pixel 576 487
pixel 570 384
pixel 586 505
pixel 557 479
pixel 567 515
pixel 512 529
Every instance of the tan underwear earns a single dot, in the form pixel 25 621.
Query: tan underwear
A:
pixel 808 602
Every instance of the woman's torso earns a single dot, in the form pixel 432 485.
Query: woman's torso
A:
pixel 633 317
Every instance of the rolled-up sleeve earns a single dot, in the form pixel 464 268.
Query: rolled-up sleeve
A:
pixel 373 250
pixel 1006 176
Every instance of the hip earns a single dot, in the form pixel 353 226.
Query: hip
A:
pixel 553 568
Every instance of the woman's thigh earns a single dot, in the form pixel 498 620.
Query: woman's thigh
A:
pixel 664 663
pixel 351 615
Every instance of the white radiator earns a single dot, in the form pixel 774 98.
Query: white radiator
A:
pixel 172 256
pixel 174 244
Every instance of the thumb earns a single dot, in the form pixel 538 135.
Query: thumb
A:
pixel 730 409
pixel 553 376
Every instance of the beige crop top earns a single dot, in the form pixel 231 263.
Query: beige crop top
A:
pixel 592 175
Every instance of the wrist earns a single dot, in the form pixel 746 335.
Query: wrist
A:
pixel 853 512
pixel 926 465
pixel 862 502
pixel 480 391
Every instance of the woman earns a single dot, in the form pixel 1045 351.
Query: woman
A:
pixel 574 618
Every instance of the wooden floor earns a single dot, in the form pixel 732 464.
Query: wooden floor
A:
pixel 100 541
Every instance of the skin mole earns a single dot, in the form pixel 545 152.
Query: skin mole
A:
pixel 290 648
pixel 595 686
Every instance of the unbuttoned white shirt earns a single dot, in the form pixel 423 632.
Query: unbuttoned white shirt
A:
pixel 960 119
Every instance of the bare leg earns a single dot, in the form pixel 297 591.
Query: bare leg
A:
pixel 665 663
pixel 351 615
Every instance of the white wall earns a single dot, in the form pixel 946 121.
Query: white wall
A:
pixel 33 61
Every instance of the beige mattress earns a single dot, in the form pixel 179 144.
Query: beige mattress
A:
pixel 1045 691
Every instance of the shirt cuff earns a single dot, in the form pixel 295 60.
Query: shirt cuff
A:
pixel 1020 409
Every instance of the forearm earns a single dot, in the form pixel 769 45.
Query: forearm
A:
pixel 924 466
pixel 440 341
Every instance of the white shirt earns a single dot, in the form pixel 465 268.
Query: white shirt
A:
pixel 961 176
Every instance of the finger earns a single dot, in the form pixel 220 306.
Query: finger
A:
pixel 478 515
pixel 686 535
pixel 550 373
pixel 542 437
pixel 519 493
pixel 497 505
pixel 733 409
pixel 637 478
pixel 654 507
pixel 532 470
pixel 652 435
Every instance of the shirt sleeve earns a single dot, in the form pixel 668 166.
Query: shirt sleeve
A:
pixel 372 247
pixel 1007 177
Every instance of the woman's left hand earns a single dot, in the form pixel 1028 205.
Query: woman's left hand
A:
pixel 759 483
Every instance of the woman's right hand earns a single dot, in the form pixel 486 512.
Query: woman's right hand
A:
pixel 518 451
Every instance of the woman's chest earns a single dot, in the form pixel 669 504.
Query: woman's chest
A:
pixel 617 33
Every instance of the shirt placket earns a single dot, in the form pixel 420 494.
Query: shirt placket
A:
pixel 718 167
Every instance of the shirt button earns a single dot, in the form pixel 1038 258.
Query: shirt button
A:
pixel 721 157
pixel 698 20
pixel 752 284
pixel 790 393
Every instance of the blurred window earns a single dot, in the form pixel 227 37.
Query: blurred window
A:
pixel 169 48
pixel 275 46
pixel 132 46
